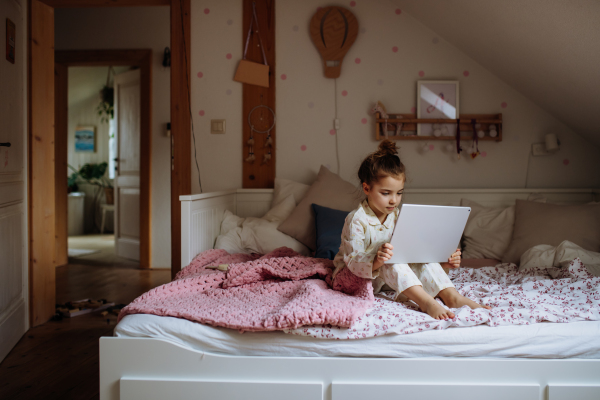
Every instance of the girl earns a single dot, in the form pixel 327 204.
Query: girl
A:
pixel 368 229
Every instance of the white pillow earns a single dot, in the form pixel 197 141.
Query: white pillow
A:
pixel 230 221
pixel 284 187
pixel 261 236
pixel 546 256
pixel 231 242
pixel 282 210
pixel 258 235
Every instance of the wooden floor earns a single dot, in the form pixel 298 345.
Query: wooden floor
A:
pixel 59 359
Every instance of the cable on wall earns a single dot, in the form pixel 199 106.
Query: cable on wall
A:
pixel 527 168
pixel 189 93
pixel 336 126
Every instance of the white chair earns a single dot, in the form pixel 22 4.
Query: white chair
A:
pixel 105 208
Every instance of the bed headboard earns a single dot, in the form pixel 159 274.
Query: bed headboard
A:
pixel 202 214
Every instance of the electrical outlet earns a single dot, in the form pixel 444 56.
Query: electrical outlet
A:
pixel 539 149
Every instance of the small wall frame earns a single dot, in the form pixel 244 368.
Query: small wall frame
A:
pixel 437 100
pixel 85 139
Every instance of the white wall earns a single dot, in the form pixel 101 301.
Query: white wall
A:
pixel 382 74
pixel 134 28
pixel 84 86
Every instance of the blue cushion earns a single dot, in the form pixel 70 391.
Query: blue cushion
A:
pixel 329 223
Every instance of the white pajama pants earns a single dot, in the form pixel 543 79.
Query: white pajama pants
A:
pixel 402 276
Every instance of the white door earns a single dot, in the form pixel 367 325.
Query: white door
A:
pixel 127 174
pixel 13 262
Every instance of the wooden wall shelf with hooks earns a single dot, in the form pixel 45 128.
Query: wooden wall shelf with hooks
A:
pixel 410 121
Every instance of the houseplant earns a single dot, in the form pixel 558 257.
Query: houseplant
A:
pixel 93 174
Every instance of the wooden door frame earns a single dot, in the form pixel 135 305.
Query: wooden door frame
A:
pixel 87 58
pixel 42 182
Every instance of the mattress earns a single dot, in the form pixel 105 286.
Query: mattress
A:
pixel 542 340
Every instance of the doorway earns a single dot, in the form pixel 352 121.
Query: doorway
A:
pixel 132 239
pixel 45 185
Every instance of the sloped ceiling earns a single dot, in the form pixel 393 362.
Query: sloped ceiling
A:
pixel 549 50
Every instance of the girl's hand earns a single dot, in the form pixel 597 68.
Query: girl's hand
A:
pixel 383 255
pixel 454 260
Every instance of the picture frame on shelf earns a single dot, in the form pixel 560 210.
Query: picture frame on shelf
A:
pixel 85 139
pixel 437 99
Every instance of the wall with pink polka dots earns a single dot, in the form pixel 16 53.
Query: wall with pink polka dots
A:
pixel 392 52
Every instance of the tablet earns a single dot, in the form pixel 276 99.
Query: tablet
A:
pixel 426 233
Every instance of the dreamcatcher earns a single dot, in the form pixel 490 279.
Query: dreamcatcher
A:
pixel 259 120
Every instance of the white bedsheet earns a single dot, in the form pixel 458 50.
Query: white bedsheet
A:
pixel 543 340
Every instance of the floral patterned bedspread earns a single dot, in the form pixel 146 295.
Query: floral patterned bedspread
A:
pixel 536 295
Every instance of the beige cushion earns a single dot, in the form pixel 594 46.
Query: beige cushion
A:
pixel 282 210
pixel 329 190
pixel 488 230
pixel 284 187
pixel 541 223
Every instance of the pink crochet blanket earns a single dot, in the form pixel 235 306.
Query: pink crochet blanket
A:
pixel 280 290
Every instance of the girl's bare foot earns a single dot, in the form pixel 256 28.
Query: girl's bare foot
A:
pixel 435 310
pixel 453 299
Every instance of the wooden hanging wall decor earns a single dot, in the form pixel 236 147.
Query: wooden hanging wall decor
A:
pixel 258 118
pixel 333 30
pixel 258 102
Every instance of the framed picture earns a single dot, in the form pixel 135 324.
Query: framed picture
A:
pixel 85 139
pixel 437 99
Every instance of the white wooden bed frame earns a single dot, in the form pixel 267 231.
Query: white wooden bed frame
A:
pixel 144 368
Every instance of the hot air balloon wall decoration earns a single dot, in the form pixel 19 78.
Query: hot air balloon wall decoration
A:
pixel 333 30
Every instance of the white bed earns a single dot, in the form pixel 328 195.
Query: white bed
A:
pixel 180 359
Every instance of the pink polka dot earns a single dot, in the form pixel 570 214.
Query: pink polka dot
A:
pixel 352 3
pixel 431 147
pixel 357 60
pixel 503 105
pixel 484 154
pixel 283 77
pixel 413 110
pixel 303 147
pixel 332 132
pixel 566 161
pixel 395 49
pixel 344 93
pixel 466 73
pixel 206 11
pixel 200 74
pixel 398 11
pixel 228 56
pixel 201 113
pixel 364 120
pixel 421 73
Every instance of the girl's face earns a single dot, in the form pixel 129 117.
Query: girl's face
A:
pixel 384 195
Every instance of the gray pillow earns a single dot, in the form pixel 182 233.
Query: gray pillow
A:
pixel 542 223
pixel 329 190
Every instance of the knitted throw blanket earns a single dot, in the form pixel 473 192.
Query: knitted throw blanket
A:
pixel 280 290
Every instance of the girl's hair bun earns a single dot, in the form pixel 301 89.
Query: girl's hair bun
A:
pixel 386 147
pixel 384 161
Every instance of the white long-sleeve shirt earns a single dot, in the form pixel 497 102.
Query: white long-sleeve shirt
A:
pixel 362 236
